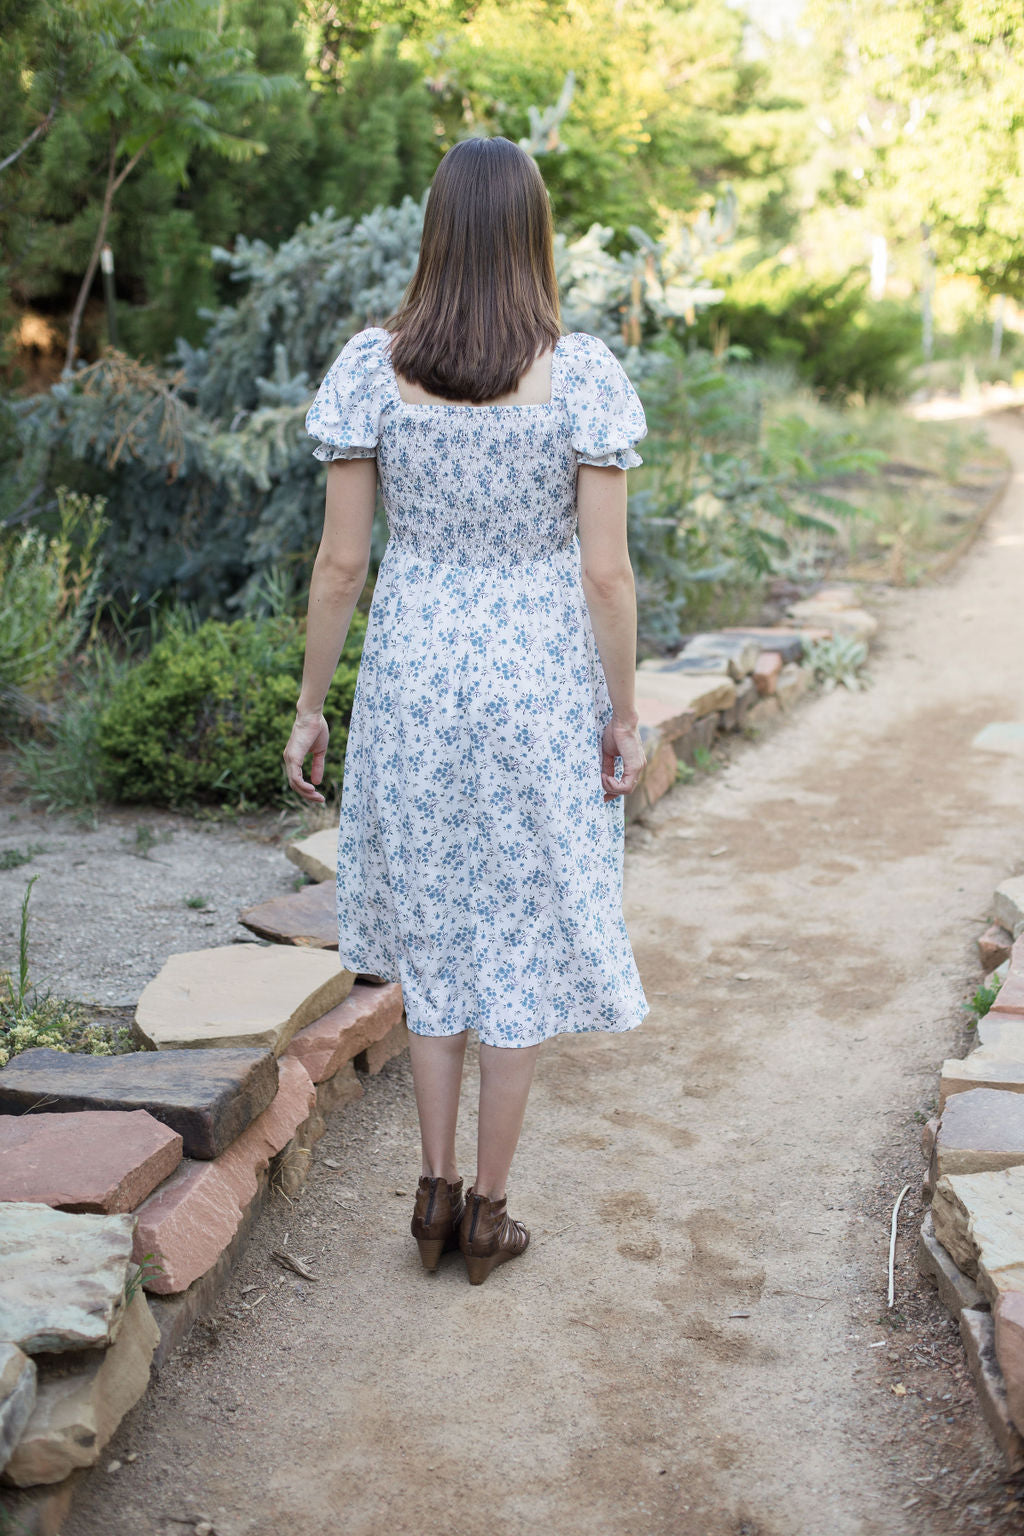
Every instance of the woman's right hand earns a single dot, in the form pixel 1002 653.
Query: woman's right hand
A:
pixel 621 739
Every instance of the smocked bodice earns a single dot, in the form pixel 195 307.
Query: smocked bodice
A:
pixel 479 485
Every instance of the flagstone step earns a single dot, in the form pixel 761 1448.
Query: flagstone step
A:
pixel 308 916
pixel 366 1016
pixel 192 1216
pixel 208 1097
pixel 239 995
pixel 62 1277
pixel 103 1160
pixel 81 1399
pixel 316 855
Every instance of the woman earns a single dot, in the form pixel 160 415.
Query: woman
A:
pixel 481 838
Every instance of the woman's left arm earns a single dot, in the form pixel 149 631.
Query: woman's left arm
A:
pixel 339 575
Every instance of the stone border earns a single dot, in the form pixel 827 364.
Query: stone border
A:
pixel 971 1242
pixel 720 683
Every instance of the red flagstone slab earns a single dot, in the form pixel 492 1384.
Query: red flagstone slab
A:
pixel 208 1096
pixel 994 946
pixel 189 1220
pixel 381 1051
pixel 100 1160
pixel 366 1015
pixel 308 916
pixel 1010 998
pixel 766 671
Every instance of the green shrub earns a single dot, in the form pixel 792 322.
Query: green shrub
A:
pixel 205 717
pixel 48 590
pixel 835 337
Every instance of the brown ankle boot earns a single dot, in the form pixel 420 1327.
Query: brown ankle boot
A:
pixel 488 1236
pixel 436 1218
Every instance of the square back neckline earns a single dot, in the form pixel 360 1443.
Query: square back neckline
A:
pixel 451 405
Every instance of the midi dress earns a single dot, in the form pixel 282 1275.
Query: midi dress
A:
pixel 478 862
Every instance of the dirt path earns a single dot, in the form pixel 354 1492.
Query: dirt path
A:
pixel 687 1349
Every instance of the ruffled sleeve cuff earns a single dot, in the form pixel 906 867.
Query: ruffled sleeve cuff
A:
pixel 345 415
pixel 606 416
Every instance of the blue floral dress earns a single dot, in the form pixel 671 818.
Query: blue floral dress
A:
pixel 478 863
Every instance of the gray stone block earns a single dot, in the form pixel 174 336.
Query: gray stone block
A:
pixel 208 1096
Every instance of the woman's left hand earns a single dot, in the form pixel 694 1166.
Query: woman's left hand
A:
pixel 309 734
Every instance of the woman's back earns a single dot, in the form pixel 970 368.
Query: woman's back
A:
pixel 479 484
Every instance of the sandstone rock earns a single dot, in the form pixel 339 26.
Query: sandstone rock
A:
pixel 787 644
pixel 696 666
pixel 666 720
pixel 697 739
pixel 994 947
pixel 208 1097
pixel 366 1015
pixel 766 671
pixel 340 1089
pixel 1008 1317
pixel 928 1131
pixel 980 1130
pixel 981 1070
pixel 381 1051
pixel 187 1222
pixel 103 1160
pixel 81 1400
pixel 659 775
pixel 956 1290
pixel 979 1220
pixel 978 1333
pixel 1010 998
pixel 791 684
pixel 699 695
pixel 238 995
pixel 289 1168
pixel 40 1511
pixel 1008 906
pixel 317 855
pixel 734 718
pixel 308 916
pixel 834 598
pixel 62 1277
pixel 17 1397
pixel 735 654
pixel 1001 1034
pixel 764 712
pixel 853 622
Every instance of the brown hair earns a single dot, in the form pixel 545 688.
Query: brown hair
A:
pixel 483 299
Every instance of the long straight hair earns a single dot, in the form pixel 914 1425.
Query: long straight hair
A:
pixel 483 300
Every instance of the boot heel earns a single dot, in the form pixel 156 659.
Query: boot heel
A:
pixel 431 1249
pixel 479 1268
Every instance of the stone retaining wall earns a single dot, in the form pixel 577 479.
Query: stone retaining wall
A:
pixel 971 1243
pixel 130 1184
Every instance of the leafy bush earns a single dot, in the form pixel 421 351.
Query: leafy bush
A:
pixel 834 336
pixel 737 468
pixel 48 587
pixel 206 715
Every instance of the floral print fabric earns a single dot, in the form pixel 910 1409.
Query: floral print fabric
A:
pixel 477 861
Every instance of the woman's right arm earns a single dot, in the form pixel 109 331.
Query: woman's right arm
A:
pixel 611 602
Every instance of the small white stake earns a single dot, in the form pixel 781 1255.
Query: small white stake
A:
pixel 892 1244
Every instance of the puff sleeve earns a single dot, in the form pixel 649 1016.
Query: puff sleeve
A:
pixel 345 414
pixel 605 414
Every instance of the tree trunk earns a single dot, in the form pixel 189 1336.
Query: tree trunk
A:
pixel 94 259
